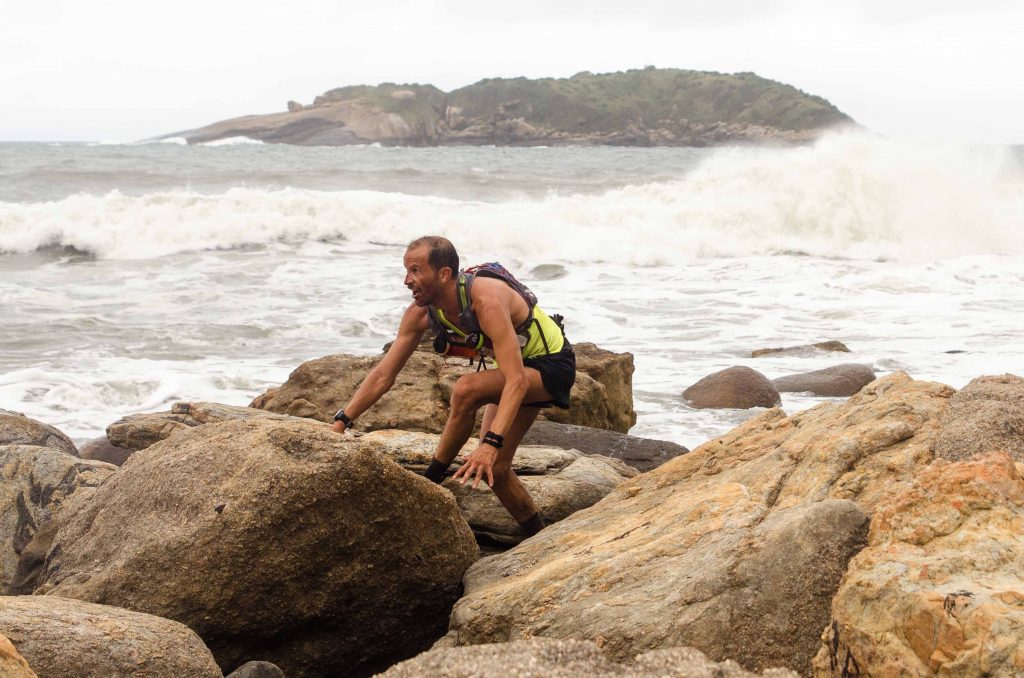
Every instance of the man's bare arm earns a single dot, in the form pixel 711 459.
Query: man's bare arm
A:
pixel 494 315
pixel 381 378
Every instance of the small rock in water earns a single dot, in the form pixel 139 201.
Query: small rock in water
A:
pixel 837 382
pixel 807 349
pixel 548 272
pixel 735 387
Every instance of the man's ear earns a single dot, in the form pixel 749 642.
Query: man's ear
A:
pixel 445 274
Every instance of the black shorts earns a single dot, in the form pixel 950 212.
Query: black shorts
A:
pixel 558 372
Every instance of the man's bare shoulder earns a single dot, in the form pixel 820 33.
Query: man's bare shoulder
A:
pixel 416 317
pixel 492 290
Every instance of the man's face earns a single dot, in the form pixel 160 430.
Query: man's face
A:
pixel 423 281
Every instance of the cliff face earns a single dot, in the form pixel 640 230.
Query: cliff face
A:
pixel 649 107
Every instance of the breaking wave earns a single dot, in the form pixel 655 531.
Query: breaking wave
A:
pixel 848 196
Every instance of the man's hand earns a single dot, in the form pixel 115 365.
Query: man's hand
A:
pixel 339 427
pixel 480 462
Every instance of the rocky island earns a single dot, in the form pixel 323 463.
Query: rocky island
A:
pixel 648 107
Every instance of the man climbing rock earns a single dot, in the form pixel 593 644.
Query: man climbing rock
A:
pixel 482 312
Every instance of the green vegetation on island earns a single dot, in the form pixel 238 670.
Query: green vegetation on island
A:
pixel 649 106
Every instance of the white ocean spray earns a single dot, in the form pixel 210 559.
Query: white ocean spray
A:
pixel 849 196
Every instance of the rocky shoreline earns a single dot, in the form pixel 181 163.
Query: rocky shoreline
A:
pixel 649 107
pixel 875 534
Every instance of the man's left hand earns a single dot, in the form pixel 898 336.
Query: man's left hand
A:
pixel 479 463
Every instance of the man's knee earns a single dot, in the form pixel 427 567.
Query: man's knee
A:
pixel 466 397
pixel 501 471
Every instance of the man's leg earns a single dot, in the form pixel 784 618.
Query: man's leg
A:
pixel 471 392
pixel 509 489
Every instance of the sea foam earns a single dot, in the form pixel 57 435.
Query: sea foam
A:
pixel 848 196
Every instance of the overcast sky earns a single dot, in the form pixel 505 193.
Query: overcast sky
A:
pixel 124 70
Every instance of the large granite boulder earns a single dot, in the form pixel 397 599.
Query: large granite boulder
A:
pixel 561 482
pixel 734 387
pixel 34 482
pixel 614 371
pixel 17 429
pixel 420 397
pixel 984 416
pixel 735 548
pixel 642 454
pixel 939 591
pixel 64 638
pixel 550 658
pixel 12 664
pixel 273 540
pixel 838 381
pixel 138 431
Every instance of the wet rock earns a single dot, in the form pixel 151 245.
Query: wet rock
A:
pixel 939 591
pixel 735 387
pixel 805 350
pixel 839 381
pixel 34 482
pixel 419 399
pixel 986 415
pixel 549 658
pixel 274 540
pixel 101 449
pixel 12 664
pixel 561 482
pixel 735 548
pixel 642 454
pixel 548 272
pixel 64 638
pixel 17 429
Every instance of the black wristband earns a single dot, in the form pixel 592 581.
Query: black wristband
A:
pixel 493 439
pixel 342 417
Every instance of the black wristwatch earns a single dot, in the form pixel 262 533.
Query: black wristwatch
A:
pixel 342 417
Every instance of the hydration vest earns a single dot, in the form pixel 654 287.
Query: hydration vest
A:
pixel 450 340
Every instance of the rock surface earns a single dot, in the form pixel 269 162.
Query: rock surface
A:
pixel 549 658
pixel 734 387
pixel 34 482
pixel 64 638
pixel 101 449
pixel 986 415
pixel 12 664
pixel 939 591
pixel 138 431
pixel 838 381
pixel 561 482
pixel 419 399
pixel 735 548
pixel 807 349
pixel 614 373
pixel 257 670
pixel 642 454
pixel 17 429
pixel 273 540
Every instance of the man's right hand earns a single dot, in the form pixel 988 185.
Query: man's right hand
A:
pixel 339 427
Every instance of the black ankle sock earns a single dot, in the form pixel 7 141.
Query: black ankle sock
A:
pixel 436 471
pixel 532 525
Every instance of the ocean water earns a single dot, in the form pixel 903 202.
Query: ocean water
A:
pixel 133 276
